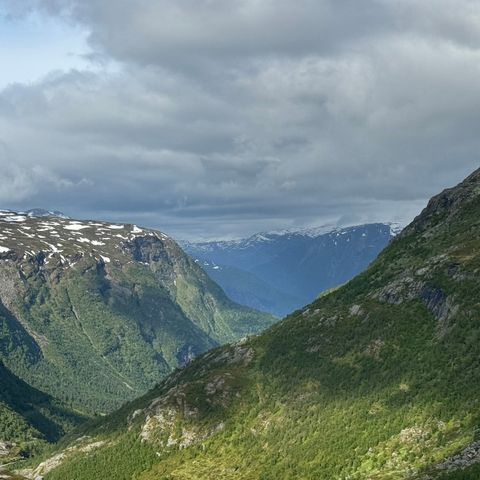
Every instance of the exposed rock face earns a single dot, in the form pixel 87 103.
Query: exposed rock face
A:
pixel 166 414
pixel 468 456
pixel 237 353
pixel 147 250
pixel 442 306
pixel 10 283
pixel 186 353
pixel 48 465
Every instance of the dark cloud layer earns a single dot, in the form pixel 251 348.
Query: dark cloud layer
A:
pixel 215 118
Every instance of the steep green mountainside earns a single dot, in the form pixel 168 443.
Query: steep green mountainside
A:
pixel 28 416
pixel 379 379
pixel 95 313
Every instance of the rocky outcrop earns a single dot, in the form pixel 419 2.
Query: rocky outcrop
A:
pixel 467 457
pixel 442 306
pixel 5 448
pixel 53 462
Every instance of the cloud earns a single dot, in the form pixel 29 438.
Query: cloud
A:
pixel 223 118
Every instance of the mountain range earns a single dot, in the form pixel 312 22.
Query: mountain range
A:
pixel 378 379
pixel 93 314
pixel 279 272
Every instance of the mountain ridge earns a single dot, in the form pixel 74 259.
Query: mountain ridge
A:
pixel 267 235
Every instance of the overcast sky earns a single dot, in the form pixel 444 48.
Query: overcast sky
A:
pixel 221 118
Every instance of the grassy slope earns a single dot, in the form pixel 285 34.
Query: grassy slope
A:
pixel 379 379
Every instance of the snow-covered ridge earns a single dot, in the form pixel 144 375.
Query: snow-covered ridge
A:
pixel 37 212
pixel 314 232
pixel 25 235
pixel 267 237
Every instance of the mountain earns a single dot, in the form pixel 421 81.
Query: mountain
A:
pixel 281 271
pixel 379 379
pixel 94 313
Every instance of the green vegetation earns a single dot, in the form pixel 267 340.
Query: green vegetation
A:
pixel 29 417
pixel 377 380
pixel 470 473
pixel 96 327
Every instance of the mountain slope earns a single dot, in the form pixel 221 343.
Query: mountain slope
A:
pixel 95 313
pixel 282 271
pixel 247 288
pixel 28 416
pixel 376 380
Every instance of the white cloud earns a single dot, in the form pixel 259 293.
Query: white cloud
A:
pixel 259 115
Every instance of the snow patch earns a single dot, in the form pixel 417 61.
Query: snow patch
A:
pixel 75 226
pixel 14 218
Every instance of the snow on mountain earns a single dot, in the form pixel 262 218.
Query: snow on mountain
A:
pixel 281 270
pixel 25 234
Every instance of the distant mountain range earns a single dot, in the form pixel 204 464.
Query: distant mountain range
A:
pixel 281 271
pixel 37 212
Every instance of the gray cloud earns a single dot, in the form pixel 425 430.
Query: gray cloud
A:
pixel 224 118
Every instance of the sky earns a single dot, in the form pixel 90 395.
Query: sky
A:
pixel 222 118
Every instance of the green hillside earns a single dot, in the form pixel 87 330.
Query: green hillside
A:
pixel 95 314
pixel 29 417
pixel 378 380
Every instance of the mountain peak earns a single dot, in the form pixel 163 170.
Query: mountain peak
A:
pixel 444 206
